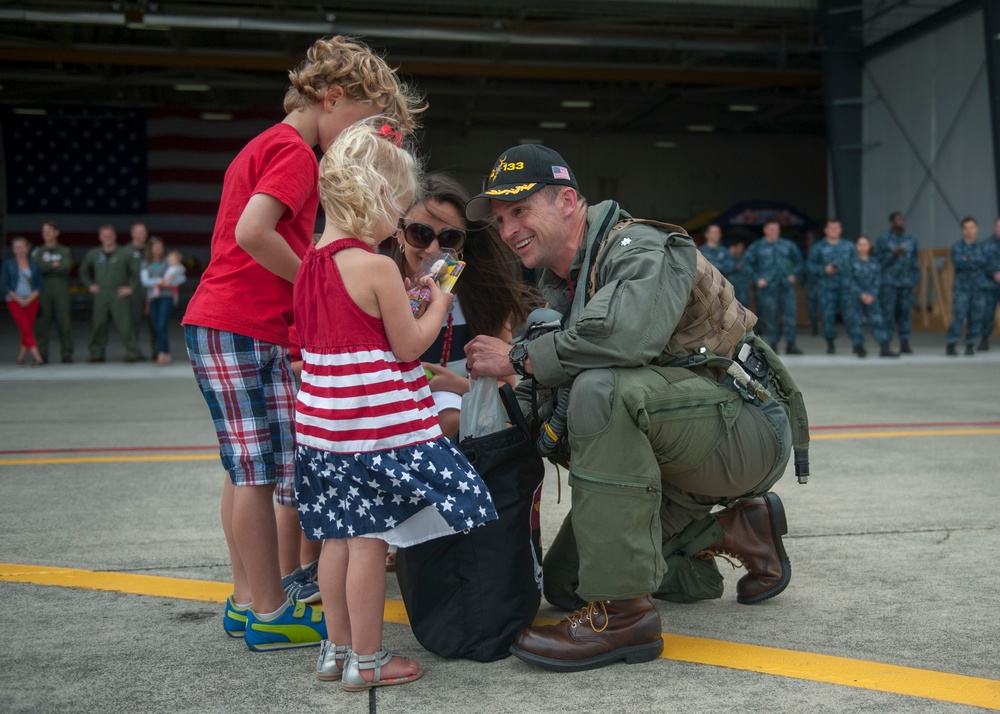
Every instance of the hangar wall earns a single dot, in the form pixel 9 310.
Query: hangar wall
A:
pixel 927 135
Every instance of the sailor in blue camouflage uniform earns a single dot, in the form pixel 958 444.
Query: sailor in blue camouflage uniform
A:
pixel 868 278
pixel 740 276
pixel 831 276
pixel 991 286
pixel 715 253
pixel 776 266
pixel 896 252
pixel 967 303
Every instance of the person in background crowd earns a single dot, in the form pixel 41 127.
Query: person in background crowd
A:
pixel 739 276
pixel 55 261
pixel 776 264
pixel 138 304
pixel 162 281
pixel 896 253
pixel 21 283
pixel 967 304
pixel 109 274
pixel 715 253
pixel 868 278
pixel 832 279
pixel 991 289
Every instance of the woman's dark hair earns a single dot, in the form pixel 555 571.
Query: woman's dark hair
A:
pixel 147 255
pixel 492 292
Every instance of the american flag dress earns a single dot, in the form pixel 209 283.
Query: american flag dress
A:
pixel 370 457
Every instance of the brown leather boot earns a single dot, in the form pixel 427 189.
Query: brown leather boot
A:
pixel 753 530
pixel 600 633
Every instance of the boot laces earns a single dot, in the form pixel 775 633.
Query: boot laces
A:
pixel 586 614
pixel 734 559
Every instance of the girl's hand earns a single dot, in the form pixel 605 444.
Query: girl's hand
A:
pixel 445 380
pixel 436 293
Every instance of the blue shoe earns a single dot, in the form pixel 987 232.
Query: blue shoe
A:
pixel 234 622
pixel 298 626
pixel 301 585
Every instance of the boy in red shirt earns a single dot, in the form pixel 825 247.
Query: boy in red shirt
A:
pixel 236 325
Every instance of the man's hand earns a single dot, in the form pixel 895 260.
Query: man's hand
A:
pixel 792 279
pixel 898 250
pixel 830 269
pixel 996 277
pixel 762 283
pixel 94 289
pixel 867 298
pixel 488 357
pixel 124 291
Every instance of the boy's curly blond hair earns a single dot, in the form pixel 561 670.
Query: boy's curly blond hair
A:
pixel 366 180
pixel 347 62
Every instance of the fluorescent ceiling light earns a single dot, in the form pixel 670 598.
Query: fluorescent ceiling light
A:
pixel 192 87
pixel 700 127
pixel 665 144
pixel 552 124
pixel 30 112
pixel 216 116
pixel 743 107
pixel 576 103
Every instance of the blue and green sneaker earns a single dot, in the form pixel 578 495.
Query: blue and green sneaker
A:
pixel 234 622
pixel 298 626
pixel 301 585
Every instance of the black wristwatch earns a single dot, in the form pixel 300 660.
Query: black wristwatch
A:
pixel 517 356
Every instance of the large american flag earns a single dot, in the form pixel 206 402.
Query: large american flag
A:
pixel 84 167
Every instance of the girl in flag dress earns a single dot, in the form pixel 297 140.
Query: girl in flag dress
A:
pixel 373 468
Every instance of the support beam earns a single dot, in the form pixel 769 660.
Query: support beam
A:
pixel 840 29
pixel 991 25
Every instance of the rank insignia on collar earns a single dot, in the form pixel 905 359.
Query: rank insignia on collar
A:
pixel 626 240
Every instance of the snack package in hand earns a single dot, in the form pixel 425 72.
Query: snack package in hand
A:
pixel 444 267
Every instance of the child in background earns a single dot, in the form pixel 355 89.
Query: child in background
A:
pixel 373 466
pixel 175 275
pixel 236 325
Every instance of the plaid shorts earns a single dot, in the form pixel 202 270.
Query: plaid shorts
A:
pixel 250 391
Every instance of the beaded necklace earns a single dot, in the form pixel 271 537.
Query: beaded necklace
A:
pixel 446 347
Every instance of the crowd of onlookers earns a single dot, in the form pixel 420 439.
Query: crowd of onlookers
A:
pixel 130 285
pixel 863 282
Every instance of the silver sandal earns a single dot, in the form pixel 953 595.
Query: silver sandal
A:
pixel 332 660
pixel 353 681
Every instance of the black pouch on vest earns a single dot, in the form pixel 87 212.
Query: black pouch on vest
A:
pixel 468 595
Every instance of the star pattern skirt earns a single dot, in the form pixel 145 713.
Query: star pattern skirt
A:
pixel 404 496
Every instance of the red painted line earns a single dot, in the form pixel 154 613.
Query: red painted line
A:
pixel 110 449
pixel 921 425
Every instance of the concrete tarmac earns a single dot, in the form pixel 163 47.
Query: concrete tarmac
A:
pixel 892 607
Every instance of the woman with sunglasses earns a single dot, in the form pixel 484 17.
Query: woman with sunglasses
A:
pixel 490 299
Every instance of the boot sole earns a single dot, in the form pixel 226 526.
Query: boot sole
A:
pixel 631 655
pixel 779 527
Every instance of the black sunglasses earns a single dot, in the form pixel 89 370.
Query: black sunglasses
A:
pixel 420 235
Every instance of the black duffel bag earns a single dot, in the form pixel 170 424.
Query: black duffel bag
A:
pixel 467 595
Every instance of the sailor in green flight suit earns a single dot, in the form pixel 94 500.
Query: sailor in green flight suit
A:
pixel 55 261
pixel 109 274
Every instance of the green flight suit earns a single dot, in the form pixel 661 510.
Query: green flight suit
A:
pixel 138 299
pixel 110 271
pixel 55 264
pixel 652 448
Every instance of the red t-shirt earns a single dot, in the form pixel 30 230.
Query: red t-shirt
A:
pixel 236 293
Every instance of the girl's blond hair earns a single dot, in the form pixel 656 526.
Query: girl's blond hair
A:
pixel 365 77
pixel 366 180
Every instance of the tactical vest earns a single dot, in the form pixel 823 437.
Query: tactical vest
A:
pixel 713 317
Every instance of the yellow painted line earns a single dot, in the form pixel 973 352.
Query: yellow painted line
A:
pixel 108 459
pixel 890 434
pixel 861 674
pixel 215 457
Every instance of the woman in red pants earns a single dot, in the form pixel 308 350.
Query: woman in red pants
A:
pixel 22 282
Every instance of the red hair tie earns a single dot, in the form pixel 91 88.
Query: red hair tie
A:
pixel 394 136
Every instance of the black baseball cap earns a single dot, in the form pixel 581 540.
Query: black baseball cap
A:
pixel 519 172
